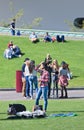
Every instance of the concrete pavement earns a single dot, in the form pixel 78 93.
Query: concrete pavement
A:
pixel 6 95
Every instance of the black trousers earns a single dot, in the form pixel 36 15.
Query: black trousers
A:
pixel 49 88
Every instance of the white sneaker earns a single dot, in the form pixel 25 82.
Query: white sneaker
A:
pixel 19 55
pixel 31 97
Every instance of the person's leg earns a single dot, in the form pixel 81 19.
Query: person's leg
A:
pixel 62 38
pixel 49 88
pixel 44 93
pixel 57 89
pixel 38 96
pixel 58 38
pixel 35 81
pixel 24 86
pixel 31 85
pixel 15 54
pixel 53 85
pixel 27 86
pixel 61 92
pixel 66 95
pixel 13 32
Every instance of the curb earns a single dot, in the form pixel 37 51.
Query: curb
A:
pixel 7 89
pixel 12 89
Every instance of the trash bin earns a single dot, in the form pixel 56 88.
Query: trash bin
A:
pixel 18 81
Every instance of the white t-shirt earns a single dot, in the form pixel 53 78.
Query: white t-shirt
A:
pixel 26 71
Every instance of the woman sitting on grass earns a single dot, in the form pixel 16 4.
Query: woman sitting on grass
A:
pixel 33 37
pixel 12 51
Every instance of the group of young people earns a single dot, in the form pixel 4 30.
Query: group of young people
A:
pixel 44 76
pixel 30 78
pixel 12 51
pixel 47 38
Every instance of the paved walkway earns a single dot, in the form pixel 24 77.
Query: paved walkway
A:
pixel 13 95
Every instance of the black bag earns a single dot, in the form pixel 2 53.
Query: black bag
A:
pixel 14 108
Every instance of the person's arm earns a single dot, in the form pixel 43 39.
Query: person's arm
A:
pixel 23 69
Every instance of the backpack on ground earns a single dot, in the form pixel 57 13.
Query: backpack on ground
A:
pixel 14 108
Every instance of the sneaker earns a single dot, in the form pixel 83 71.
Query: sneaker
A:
pixel 44 111
pixel 65 96
pixel 61 97
pixel 27 97
pixel 19 56
pixel 32 97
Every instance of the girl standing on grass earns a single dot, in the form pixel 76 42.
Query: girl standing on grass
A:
pixel 63 79
pixel 54 76
pixel 43 89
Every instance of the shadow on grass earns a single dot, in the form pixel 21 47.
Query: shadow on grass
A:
pixel 19 118
pixel 75 97
pixel 3 113
pixel 53 98
pixel 74 76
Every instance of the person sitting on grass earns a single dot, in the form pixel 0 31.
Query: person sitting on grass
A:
pixel 10 44
pixel 34 38
pixel 47 38
pixel 8 53
pixel 18 33
pixel 16 51
pixel 60 38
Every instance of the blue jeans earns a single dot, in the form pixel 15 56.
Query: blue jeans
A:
pixel 12 32
pixel 33 80
pixel 44 92
pixel 27 86
pixel 55 84
pixel 48 39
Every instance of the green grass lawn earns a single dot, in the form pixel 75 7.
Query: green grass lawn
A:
pixel 53 123
pixel 72 52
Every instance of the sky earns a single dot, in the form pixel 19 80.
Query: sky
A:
pixel 54 13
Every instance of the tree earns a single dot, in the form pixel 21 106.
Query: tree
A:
pixel 72 27
pixel 18 15
pixel 35 22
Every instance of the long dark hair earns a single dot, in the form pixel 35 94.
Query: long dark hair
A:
pixel 31 66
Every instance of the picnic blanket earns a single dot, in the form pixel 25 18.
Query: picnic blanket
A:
pixel 70 114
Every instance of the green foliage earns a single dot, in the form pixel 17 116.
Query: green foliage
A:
pixel 14 15
pixel 18 15
pixel 35 22
pixel 70 51
pixel 54 106
pixel 72 27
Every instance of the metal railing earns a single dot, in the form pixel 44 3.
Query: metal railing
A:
pixel 41 33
